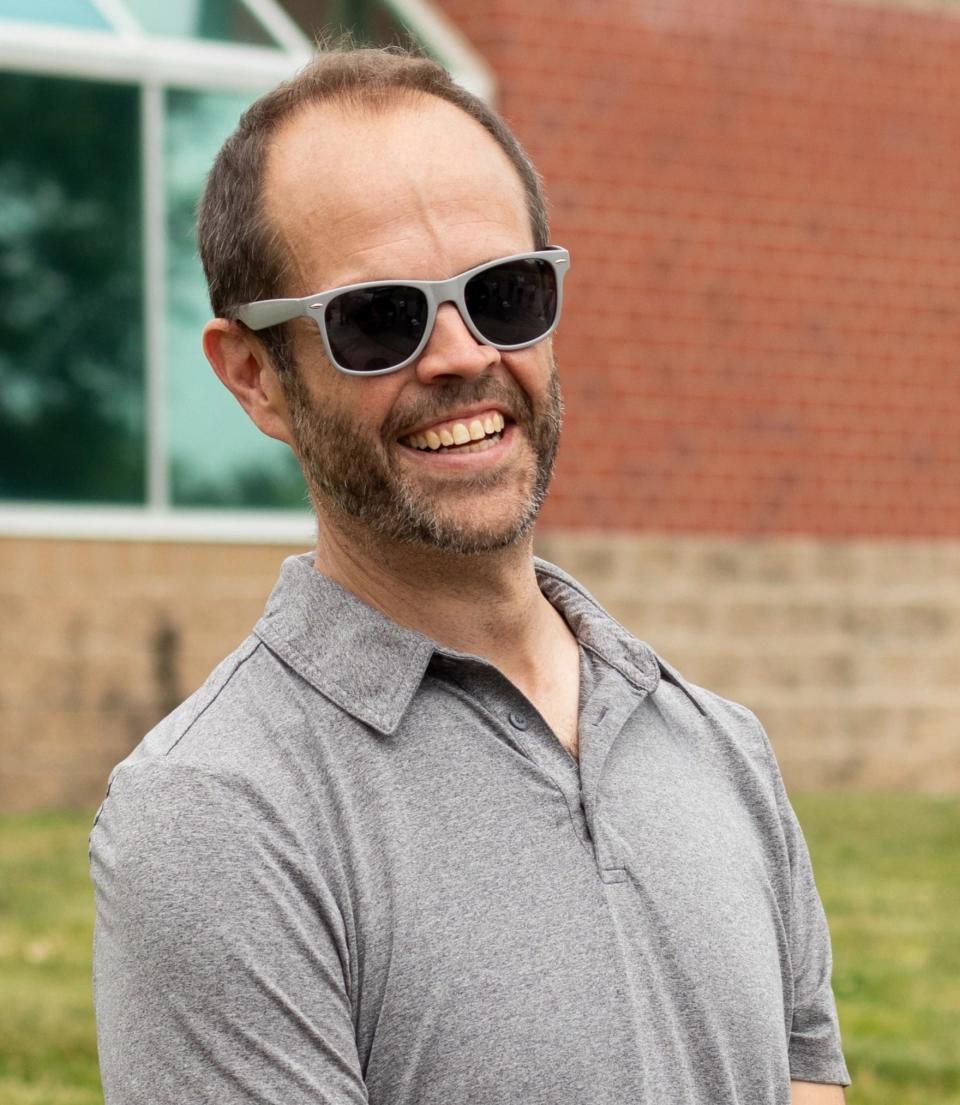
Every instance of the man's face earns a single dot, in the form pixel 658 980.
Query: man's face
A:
pixel 420 191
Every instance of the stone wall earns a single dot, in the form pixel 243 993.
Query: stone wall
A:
pixel 99 640
pixel 849 651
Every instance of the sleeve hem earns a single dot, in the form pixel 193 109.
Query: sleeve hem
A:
pixel 812 1067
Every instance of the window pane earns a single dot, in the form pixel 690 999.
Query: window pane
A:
pixel 71 334
pixel 217 456
pixel 66 13
pixel 220 20
pixel 369 21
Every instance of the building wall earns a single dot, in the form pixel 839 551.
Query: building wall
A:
pixel 760 471
pixel 99 640
pixel 760 200
pixel 847 650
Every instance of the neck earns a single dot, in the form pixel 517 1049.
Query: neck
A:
pixel 487 604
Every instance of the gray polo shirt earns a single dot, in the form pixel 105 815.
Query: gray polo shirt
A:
pixel 357 866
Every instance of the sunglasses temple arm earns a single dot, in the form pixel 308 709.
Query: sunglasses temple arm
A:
pixel 271 312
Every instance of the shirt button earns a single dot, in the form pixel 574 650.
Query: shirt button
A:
pixel 518 721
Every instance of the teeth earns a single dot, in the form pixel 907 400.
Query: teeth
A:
pixel 459 433
pixel 478 446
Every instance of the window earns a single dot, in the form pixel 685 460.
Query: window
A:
pixel 112 111
pixel 216 457
pixel 69 13
pixel 216 20
pixel 72 413
pixel 367 20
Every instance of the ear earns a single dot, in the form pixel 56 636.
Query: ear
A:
pixel 244 368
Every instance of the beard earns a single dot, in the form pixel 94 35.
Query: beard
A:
pixel 351 476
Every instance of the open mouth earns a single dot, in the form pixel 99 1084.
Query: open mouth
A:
pixel 472 435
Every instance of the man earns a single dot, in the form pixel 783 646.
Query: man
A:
pixel 441 830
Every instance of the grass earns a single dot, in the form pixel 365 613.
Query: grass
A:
pixel 47 1040
pixel 887 868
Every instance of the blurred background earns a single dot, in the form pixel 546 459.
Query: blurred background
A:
pixel 760 472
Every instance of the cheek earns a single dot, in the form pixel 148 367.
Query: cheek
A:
pixel 308 348
pixel 532 369
pixel 365 403
pixel 369 403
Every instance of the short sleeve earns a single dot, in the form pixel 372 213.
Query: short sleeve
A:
pixel 814 1047
pixel 220 957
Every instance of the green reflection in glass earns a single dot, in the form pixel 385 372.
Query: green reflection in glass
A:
pixel 373 22
pixel 71 334
pixel 217 456
pixel 219 20
pixel 64 13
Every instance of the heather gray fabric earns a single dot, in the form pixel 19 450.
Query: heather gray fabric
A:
pixel 358 867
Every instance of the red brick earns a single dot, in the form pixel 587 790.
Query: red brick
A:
pixel 760 201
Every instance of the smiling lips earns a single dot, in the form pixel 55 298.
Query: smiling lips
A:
pixel 451 435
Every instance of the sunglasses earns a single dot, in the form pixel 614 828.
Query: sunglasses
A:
pixel 381 326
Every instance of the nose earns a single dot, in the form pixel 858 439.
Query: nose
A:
pixel 452 350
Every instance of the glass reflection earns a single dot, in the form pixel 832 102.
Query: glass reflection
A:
pixel 71 332
pixel 373 22
pixel 217 20
pixel 64 13
pixel 217 456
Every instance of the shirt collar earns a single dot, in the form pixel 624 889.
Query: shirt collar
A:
pixel 371 667
pixel 596 630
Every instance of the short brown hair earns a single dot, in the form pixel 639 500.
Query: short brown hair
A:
pixel 243 259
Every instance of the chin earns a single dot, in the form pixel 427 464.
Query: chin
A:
pixel 475 537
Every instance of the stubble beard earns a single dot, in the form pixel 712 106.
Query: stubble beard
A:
pixel 350 477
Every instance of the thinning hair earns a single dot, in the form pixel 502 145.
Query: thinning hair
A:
pixel 243 255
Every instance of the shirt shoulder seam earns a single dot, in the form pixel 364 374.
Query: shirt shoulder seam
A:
pixel 247 650
pixel 242 654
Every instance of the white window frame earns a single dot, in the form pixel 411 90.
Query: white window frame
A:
pixel 155 63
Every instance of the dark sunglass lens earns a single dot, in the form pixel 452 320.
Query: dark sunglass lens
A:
pixel 375 328
pixel 513 303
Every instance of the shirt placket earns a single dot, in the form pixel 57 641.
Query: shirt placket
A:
pixel 607 702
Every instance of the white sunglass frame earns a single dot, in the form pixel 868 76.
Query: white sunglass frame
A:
pixel 271 312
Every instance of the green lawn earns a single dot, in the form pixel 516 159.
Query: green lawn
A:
pixel 47 1042
pixel 888 870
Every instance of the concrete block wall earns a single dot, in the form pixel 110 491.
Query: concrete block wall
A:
pixel 101 639
pixel 849 651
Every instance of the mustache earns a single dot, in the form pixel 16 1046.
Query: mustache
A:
pixel 457 393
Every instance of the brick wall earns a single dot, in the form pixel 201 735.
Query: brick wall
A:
pixel 847 650
pixel 763 325
pixel 762 342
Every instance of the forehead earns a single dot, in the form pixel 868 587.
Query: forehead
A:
pixel 355 191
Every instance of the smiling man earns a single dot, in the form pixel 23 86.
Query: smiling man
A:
pixel 440 830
